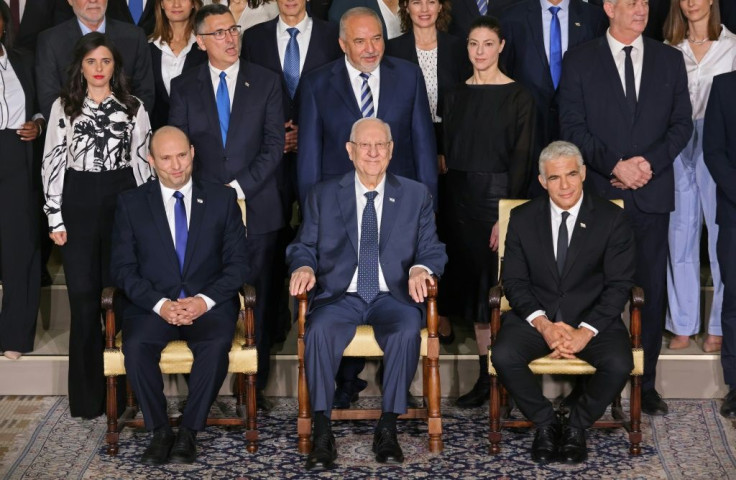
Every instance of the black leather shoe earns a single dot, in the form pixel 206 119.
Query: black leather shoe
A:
pixel 477 396
pixel 728 409
pixel 546 440
pixel 572 445
pixel 386 446
pixel 323 452
pixel 447 339
pixel 652 403
pixel 185 447
pixel 157 452
pixel 262 402
pixel 347 393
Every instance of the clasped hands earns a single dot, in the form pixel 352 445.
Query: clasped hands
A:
pixel 564 340
pixel 632 173
pixel 183 311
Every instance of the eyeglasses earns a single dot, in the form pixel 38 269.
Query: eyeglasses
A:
pixel 220 34
pixel 382 147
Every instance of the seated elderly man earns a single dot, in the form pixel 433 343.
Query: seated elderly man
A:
pixel 369 245
pixel 178 252
pixel 568 270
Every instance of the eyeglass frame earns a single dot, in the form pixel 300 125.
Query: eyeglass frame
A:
pixel 219 34
pixel 381 147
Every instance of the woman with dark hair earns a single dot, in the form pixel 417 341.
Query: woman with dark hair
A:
pixel 174 50
pixel 488 124
pixel 444 64
pixel 96 147
pixel 250 12
pixel 20 258
pixel 708 48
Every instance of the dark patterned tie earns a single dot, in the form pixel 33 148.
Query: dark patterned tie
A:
pixel 291 62
pixel 368 258
pixel 181 232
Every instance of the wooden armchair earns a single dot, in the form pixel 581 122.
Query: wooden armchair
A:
pixel 177 358
pixel 498 406
pixel 364 345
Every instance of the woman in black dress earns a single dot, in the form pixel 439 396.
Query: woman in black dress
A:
pixel 488 133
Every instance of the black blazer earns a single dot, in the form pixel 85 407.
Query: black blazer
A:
pixel 22 63
pixel 719 145
pixel 594 116
pixel 261 48
pixel 599 267
pixel 160 112
pixel 54 55
pixel 116 9
pixel 524 57
pixel 37 17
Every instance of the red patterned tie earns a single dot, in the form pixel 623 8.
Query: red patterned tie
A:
pixel 15 14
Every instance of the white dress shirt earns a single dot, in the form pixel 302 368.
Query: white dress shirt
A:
pixel 12 96
pixel 356 81
pixel 563 15
pixel 21 9
pixel 556 221
pixel 619 56
pixel 171 64
pixel 167 194
pixel 283 37
pixel 391 20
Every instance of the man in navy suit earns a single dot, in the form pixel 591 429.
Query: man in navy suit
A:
pixel 178 252
pixel 365 238
pixel 624 101
pixel 465 11
pixel 121 10
pixel 233 113
pixel 719 150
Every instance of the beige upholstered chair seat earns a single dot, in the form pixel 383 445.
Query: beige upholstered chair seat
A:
pixel 364 344
pixel 563 366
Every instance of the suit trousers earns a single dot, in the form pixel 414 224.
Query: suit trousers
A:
pixel 210 337
pixel 727 260
pixel 330 328
pixel 20 254
pixel 88 209
pixel 695 200
pixel 519 343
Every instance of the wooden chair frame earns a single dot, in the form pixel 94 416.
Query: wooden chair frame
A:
pixel 430 385
pixel 245 383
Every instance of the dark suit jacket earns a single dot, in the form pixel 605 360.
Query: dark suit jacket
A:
pixel 116 9
pixel 464 12
pixel 143 258
pixel 594 116
pixel 599 268
pixel 255 140
pixel 22 63
pixel 339 7
pixel 160 113
pixel 55 47
pixel 719 145
pixel 260 47
pixel 728 14
pixel 328 109
pixel 37 17
pixel 524 57
pixel 328 237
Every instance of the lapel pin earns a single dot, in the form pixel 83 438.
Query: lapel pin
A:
pixel 577 24
pixel 247 84
pixel 199 200
pixel 391 199
pixel 582 225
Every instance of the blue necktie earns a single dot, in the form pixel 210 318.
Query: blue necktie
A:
pixel 555 47
pixel 181 232
pixel 223 107
pixel 136 9
pixel 482 6
pixel 366 97
pixel 368 257
pixel 291 62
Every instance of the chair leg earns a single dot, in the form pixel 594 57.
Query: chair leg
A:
pixel 617 411
pixel 112 416
pixel 304 420
pixel 425 380
pixel 251 427
pixel 494 414
pixel 635 408
pixel 130 395
pixel 434 419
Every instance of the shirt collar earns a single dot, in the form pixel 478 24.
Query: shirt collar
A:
pixel 362 189
pixel 4 58
pixel 167 192
pixel 564 5
pixel 85 29
pixel 159 42
pixel 573 211
pixel 231 71
pixel 302 26
pixel 617 46
pixel 354 72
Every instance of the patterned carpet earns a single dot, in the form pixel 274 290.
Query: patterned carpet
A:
pixel 38 440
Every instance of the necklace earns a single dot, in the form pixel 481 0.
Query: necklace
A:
pixel 698 42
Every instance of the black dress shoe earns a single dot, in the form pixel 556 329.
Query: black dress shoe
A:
pixel 386 446
pixel 157 452
pixel 572 445
pixel 652 403
pixel 447 339
pixel 728 409
pixel 185 447
pixel 323 452
pixel 477 396
pixel 546 441
pixel 262 402
pixel 347 393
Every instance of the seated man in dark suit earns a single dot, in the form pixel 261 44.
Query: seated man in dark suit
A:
pixel 365 237
pixel 568 271
pixel 178 252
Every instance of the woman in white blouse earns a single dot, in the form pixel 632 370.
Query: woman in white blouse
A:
pixel 96 147
pixel 709 49
pixel 173 50
pixel 250 12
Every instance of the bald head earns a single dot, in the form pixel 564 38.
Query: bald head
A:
pixel 172 156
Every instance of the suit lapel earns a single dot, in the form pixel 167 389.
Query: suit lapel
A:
pixel 241 100
pixel 391 201
pixel 575 25
pixel 199 204
pixel 346 203
pixel 610 75
pixel 158 212
pixel 579 233
pixel 208 101
pixel 544 233
pixel 534 17
pixel 340 82
pixel 389 83
pixel 648 78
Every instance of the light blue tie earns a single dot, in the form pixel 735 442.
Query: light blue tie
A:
pixel 555 47
pixel 366 97
pixel 136 9
pixel 482 6
pixel 368 257
pixel 291 62
pixel 181 232
pixel 223 107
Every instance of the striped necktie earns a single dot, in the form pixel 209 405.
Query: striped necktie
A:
pixel 366 97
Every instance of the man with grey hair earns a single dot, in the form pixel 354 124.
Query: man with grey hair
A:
pixel 568 269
